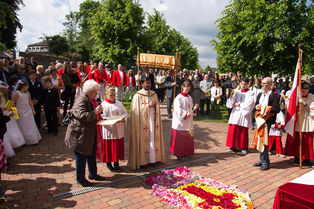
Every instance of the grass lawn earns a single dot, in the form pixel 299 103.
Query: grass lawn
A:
pixel 214 116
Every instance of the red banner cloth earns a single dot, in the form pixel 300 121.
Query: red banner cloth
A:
pixel 294 196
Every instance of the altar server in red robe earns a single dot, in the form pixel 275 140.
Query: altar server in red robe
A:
pixel 307 117
pixel 109 75
pixel 99 75
pixel 275 133
pixel 130 84
pixel 182 134
pixel 242 104
pixel 89 67
pixel 110 143
pixel 119 81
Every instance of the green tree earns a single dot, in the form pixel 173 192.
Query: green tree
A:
pixel 207 68
pixel 116 28
pixel 262 37
pixel 77 29
pixel 9 22
pixel 57 44
pixel 71 31
pixel 165 40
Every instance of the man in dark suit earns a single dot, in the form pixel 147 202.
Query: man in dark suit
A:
pixel 33 63
pixel 4 75
pixel 170 85
pixel 35 89
pixel 145 74
pixel 267 97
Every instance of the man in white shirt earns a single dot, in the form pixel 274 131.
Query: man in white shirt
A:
pixel 270 100
pixel 205 86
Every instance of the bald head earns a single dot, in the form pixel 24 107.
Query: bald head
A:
pixel 266 84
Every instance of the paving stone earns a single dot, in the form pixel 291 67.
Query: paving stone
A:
pixel 37 173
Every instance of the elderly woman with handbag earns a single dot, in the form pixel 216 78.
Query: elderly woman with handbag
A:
pixel 81 132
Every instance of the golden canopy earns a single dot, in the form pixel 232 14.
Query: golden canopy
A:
pixel 158 61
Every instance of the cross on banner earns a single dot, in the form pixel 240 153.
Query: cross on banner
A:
pixel 144 103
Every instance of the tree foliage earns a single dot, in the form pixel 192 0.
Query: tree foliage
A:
pixel 57 44
pixel 116 28
pixel 77 29
pixel 9 22
pixel 262 37
pixel 165 40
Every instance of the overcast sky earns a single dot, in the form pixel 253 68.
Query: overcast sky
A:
pixel 195 19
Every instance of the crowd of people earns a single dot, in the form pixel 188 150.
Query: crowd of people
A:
pixel 90 92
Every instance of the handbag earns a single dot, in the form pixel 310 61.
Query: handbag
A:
pixel 66 120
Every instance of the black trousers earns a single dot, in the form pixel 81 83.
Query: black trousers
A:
pixel 69 98
pixel 161 94
pixel 37 117
pixel 52 119
pixel 202 104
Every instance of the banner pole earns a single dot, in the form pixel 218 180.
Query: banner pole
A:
pixel 300 108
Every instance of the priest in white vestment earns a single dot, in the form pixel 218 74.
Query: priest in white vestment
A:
pixel 146 137
pixel 182 134
pixel 242 104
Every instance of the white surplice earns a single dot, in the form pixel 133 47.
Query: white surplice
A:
pixel 115 131
pixel 273 131
pixel 241 116
pixel 182 105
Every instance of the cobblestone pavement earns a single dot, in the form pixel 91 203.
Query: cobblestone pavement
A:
pixel 37 173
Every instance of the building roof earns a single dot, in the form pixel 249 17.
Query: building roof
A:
pixel 4 55
pixel 42 43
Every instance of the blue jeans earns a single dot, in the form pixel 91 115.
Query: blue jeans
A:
pixel 264 156
pixel 80 162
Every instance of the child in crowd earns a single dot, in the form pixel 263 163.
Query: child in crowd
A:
pixel 26 112
pixel 110 145
pixel 51 102
pixel 182 134
pixel 275 133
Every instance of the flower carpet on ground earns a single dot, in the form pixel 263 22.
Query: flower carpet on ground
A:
pixel 182 188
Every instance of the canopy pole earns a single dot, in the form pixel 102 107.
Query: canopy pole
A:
pixel 138 68
pixel 175 76
pixel 300 108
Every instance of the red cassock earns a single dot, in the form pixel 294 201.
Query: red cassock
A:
pixel 182 143
pixel 109 78
pixel 109 150
pixel 276 142
pixel 292 145
pixel 60 72
pixel 128 81
pixel 88 69
pixel 99 76
pixel 116 79
pixel 238 137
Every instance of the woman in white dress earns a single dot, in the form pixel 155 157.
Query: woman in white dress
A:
pixel 26 112
pixel 13 138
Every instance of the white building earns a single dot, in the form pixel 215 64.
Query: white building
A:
pixel 40 47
